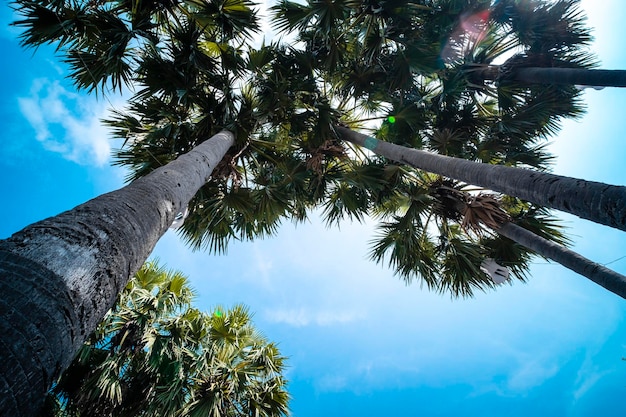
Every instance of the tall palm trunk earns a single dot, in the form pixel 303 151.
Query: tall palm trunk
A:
pixel 555 75
pixel 601 275
pixel 58 277
pixel 595 201
pixel 441 165
pixel 573 76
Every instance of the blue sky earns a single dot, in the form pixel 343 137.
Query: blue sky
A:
pixel 360 342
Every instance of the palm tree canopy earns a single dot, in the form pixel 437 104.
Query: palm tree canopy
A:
pixel 193 73
pixel 445 108
pixel 187 63
pixel 406 61
pixel 155 355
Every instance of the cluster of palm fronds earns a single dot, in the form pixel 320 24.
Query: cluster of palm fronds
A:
pixel 429 64
pixel 156 355
pixel 386 59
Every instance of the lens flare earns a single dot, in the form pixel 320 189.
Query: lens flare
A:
pixel 470 29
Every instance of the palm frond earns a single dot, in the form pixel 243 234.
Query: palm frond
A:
pixel 460 260
pixel 184 361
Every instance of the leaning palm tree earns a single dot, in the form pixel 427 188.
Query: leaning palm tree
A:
pixel 73 265
pixel 187 131
pixel 155 355
pixel 350 194
pixel 599 202
pixel 548 40
pixel 478 228
pixel 451 124
pixel 552 36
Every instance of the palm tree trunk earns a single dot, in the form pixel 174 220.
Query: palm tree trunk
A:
pixel 572 76
pixel 595 201
pixel 601 275
pixel 59 277
pixel 552 75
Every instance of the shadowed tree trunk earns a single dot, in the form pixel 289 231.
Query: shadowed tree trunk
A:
pixel 59 277
pixel 554 75
pixel 601 275
pixel 595 201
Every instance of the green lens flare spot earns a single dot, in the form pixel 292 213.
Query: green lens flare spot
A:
pixel 217 313
pixel 391 119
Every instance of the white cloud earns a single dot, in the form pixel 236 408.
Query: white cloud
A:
pixel 332 383
pixel 67 123
pixel 590 373
pixel 532 374
pixel 303 317
pixel 586 382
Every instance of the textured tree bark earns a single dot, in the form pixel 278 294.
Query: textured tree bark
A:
pixel 601 275
pixel 572 76
pixel 58 277
pixel 595 201
pixel 553 75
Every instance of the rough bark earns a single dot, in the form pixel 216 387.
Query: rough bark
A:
pixel 572 76
pixel 552 75
pixel 595 201
pixel 59 277
pixel 597 273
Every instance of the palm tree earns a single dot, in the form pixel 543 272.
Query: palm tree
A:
pixel 62 274
pixel 72 266
pixel 380 87
pixel 597 273
pixel 352 200
pixel 552 36
pixel 433 230
pixel 598 202
pixel 447 137
pixel 520 223
pixel 184 61
pixel 349 194
pixel 155 355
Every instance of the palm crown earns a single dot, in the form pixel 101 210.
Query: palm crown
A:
pixel 156 355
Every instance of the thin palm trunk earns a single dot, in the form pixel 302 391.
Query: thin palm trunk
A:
pixel 572 76
pixel 601 275
pixel 59 277
pixel 555 75
pixel 597 273
pixel 595 201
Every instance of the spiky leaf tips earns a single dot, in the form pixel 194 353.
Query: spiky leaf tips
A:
pixel 156 355
pixel 421 75
pixel 363 57
pixel 189 65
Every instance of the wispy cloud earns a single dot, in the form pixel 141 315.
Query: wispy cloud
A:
pixel 332 383
pixel 590 373
pixel 532 374
pixel 67 123
pixel 303 317
pixel 586 382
